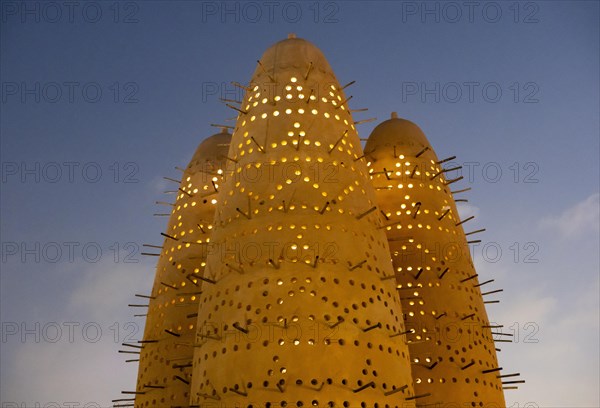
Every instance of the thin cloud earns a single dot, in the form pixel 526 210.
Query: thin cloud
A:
pixel 578 220
pixel 467 210
pixel 552 344
pixel 79 363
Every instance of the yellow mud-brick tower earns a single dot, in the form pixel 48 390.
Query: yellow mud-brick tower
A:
pixel 297 308
pixel 451 346
pixel 166 350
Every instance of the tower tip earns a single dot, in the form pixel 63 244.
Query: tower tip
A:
pixel 394 115
pixel 291 35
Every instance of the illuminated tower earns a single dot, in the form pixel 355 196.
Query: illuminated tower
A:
pixel 451 346
pixel 297 308
pixel 167 346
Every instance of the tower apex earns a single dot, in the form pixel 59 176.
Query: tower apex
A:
pixel 394 115
pixel 291 35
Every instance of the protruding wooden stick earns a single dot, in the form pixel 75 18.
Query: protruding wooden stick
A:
pixel 461 191
pixel 344 101
pixel 422 151
pixel 259 146
pixel 493 291
pixel 369 211
pixel 385 172
pixel 310 67
pixel 348 84
pixel 314 265
pixel 243 394
pixel 132 345
pixel 465 220
pixel 514 382
pixel 375 326
pixel 446 160
pixel 169 236
pixel 409 331
pixel 172 333
pixel 228 100
pixel 243 213
pixel 184 192
pixel 339 321
pixel 502 334
pixel 183 380
pixel 360 122
pixel 414 170
pixel 211 281
pixel 414 397
pixel 358 265
pixel 192 279
pixel 364 387
pixel 444 214
pixel 240 86
pixel 475 232
pixel 243 112
pixel 395 390
pixel 448 182
pixel 237 326
pixel 312 91
pixel 265 71
pixel 508 375
pixel 416 210
pixel 484 283
pixel 339 140
pixel 468 365
pixel 169 286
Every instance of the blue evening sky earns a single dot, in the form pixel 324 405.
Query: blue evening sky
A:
pixel 101 99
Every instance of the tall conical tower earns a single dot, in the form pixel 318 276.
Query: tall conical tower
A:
pixel 297 308
pixel 166 352
pixel 451 346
